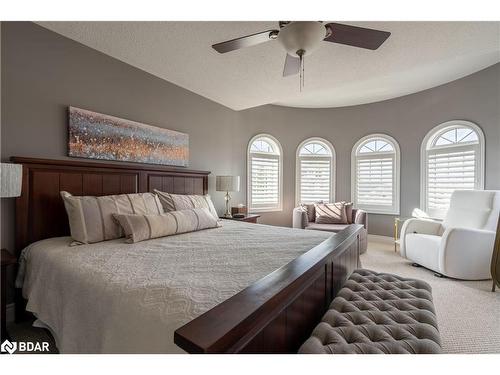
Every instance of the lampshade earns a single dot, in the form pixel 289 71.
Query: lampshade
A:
pixel 227 183
pixel 11 180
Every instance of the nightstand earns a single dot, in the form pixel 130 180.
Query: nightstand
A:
pixel 246 219
pixel 7 259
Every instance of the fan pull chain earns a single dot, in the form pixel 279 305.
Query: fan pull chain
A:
pixel 302 71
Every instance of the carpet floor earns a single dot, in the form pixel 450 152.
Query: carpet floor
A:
pixel 468 312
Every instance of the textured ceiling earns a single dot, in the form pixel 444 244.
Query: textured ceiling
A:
pixel 417 56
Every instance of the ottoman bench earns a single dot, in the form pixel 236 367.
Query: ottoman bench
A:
pixel 378 313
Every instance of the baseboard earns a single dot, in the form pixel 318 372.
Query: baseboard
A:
pixel 379 238
pixel 10 313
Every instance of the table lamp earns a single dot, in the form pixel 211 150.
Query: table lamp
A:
pixel 227 184
pixel 11 179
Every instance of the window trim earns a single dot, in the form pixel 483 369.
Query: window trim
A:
pixel 333 167
pixel 424 147
pixel 280 176
pixel 395 209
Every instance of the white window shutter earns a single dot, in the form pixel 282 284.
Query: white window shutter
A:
pixel 375 181
pixel 315 179
pixel 315 168
pixel 452 158
pixel 265 181
pixel 449 169
pixel 375 174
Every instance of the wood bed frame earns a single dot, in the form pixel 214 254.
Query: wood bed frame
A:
pixel 274 315
pixel 40 210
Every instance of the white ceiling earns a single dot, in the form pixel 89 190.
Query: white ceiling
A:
pixel 417 56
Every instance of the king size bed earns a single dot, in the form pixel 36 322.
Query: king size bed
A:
pixel 238 288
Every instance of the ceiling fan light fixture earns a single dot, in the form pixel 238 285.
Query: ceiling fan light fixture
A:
pixel 303 36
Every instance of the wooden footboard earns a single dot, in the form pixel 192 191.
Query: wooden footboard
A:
pixel 277 313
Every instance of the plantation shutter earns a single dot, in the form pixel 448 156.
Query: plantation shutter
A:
pixel 449 169
pixel 265 184
pixel 315 179
pixel 375 180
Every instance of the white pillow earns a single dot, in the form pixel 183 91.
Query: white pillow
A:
pixel 91 218
pixel 144 227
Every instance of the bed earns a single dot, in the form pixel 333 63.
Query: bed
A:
pixel 241 288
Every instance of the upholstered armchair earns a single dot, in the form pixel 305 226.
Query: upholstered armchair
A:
pixel 304 218
pixel 461 246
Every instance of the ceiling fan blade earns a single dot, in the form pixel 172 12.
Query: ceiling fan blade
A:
pixel 356 36
pixel 245 41
pixel 292 66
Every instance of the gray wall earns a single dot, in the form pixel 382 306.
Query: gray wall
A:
pixel 407 119
pixel 43 73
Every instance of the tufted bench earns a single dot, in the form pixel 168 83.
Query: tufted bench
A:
pixel 378 313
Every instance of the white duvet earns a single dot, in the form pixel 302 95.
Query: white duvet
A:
pixel 114 297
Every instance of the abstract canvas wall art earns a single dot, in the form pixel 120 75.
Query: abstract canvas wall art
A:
pixel 97 136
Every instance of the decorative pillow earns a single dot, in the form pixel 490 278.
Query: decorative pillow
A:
pixel 144 227
pixel 348 211
pixel 309 208
pixel 91 218
pixel 177 202
pixel 330 213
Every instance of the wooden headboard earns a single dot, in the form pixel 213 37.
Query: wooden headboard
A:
pixel 40 210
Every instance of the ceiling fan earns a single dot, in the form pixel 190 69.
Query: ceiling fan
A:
pixel 301 38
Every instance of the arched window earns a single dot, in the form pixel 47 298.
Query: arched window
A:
pixel 375 174
pixel 452 157
pixel 315 167
pixel 264 174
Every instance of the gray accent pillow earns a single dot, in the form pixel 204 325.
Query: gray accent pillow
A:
pixel 309 208
pixel 91 218
pixel 144 227
pixel 348 211
pixel 177 202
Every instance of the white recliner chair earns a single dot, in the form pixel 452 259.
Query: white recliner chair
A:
pixel 461 246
